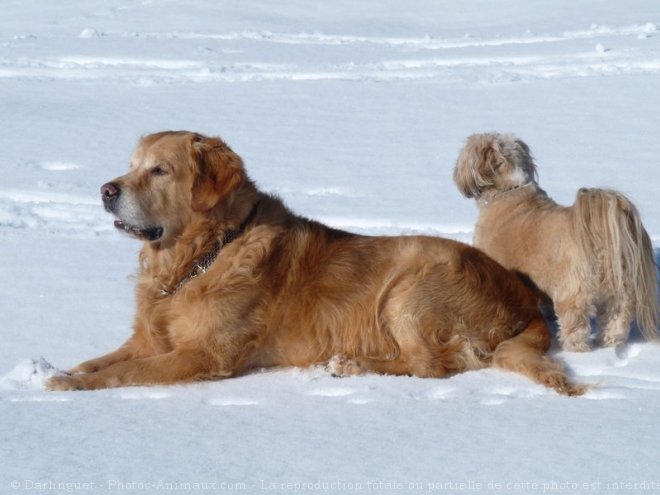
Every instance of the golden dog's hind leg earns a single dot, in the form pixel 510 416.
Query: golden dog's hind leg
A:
pixel 173 367
pixel 525 354
pixel 425 361
pixel 341 367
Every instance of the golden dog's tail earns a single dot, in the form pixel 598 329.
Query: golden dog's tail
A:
pixel 525 354
pixel 609 229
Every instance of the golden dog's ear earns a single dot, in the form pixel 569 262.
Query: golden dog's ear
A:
pixel 217 171
pixel 477 163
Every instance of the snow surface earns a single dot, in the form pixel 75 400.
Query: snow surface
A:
pixel 354 113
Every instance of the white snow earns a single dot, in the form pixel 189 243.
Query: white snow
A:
pixel 28 374
pixel 354 113
pixel 89 33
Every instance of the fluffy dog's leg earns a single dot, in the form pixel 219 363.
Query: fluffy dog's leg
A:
pixel 609 228
pixel 614 322
pixel 574 325
pixel 525 353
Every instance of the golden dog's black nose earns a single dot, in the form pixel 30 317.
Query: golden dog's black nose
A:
pixel 109 193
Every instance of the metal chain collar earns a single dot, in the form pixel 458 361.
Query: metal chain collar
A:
pixel 202 264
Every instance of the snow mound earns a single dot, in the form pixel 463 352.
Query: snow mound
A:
pixel 29 374
pixel 89 33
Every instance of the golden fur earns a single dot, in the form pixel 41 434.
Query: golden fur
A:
pixel 593 259
pixel 292 292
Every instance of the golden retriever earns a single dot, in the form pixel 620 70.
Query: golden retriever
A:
pixel 592 259
pixel 230 280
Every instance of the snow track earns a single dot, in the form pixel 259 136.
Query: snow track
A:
pixel 426 42
pixel 52 212
pixel 594 52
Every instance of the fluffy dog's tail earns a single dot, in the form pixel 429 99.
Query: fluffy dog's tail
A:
pixel 525 354
pixel 609 229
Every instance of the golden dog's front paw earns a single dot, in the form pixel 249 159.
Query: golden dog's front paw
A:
pixel 64 382
pixel 86 367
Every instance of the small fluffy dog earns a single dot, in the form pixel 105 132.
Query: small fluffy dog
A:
pixel 230 280
pixel 593 259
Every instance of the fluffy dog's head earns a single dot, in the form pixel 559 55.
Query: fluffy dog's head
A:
pixel 493 162
pixel 173 179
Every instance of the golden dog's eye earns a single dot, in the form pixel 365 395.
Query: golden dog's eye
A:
pixel 159 170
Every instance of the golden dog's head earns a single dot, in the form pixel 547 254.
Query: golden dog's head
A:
pixel 173 178
pixel 493 162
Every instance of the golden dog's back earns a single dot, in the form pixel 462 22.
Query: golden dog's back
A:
pixel 348 294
